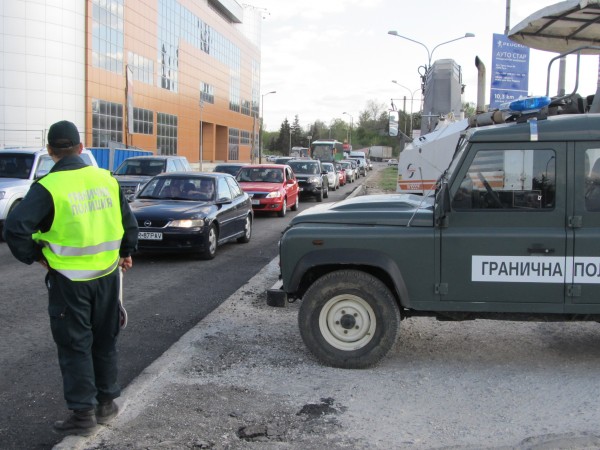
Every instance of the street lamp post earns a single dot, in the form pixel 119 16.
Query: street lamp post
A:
pixel 351 125
pixel 430 53
pixel 412 95
pixel 260 137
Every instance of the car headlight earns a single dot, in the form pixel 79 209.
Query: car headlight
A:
pixel 2 194
pixel 274 194
pixel 187 223
pixel 314 180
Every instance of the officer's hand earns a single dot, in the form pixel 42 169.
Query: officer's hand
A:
pixel 125 263
pixel 43 262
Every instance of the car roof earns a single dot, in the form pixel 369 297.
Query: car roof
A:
pixel 231 164
pixel 267 166
pixel 193 174
pixel 30 150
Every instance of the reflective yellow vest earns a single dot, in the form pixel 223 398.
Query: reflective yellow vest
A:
pixel 84 239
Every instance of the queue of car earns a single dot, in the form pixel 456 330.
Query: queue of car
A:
pixel 180 210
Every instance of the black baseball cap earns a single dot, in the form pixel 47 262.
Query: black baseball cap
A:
pixel 63 134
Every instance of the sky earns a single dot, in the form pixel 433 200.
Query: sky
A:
pixel 327 57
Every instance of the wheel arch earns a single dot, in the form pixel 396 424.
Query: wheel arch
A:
pixel 315 264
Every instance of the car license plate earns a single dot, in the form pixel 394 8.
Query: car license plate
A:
pixel 300 189
pixel 256 202
pixel 150 236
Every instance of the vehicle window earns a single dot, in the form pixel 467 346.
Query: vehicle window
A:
pixel 86 159
pixel 304 167
pixel 290 174
pixel 178 165
pixel 235 188
pixel 171 167
pixel 223 190
pixel 592 179
pixel 509 179
pixel 15 165
pixel 185 164
pixel 45 163
pixel 231 170
pixel 153 188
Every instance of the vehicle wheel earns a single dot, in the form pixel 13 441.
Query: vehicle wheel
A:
pixel 296 203
pixel 283 209
pixel 349 319
pixel 326 190
pixel 210 243
pixel 247 231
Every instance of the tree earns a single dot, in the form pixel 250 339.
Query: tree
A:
pixel 283 140
pixel 298 139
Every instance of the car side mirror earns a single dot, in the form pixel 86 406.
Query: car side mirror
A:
pixel 224 201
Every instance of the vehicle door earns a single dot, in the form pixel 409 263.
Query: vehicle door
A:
pixel 241 204
pixel 504 247
pixel 227 212
pixel 583 284
pixel 290 186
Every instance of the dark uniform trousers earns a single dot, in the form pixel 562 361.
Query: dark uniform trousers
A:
pixel 84 319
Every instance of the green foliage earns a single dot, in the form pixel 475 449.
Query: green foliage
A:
pixel 369 128
pixel 389 178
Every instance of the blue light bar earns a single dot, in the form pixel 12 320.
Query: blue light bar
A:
pixel 526 105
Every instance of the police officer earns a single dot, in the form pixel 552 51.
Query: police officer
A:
pixel 76 222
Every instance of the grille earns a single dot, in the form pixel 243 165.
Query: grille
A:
pixel 155 223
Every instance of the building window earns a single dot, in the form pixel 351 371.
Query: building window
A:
pixel 175 23
pixel 234 144
pixel 143 121
pixel 207 93
pixel 107 35
pixel 142 68
pixel 107 123
pixel 245 137
pixel 166 135
pixel 234 93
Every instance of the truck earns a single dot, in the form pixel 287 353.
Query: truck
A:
pixel 510 231
pixel 380 153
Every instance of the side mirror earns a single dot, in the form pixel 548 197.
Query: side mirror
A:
pixel 394 119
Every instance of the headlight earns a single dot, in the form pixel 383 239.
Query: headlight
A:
pixel 274 194
pixel 2 194
pixel 314 180
pixel 187 223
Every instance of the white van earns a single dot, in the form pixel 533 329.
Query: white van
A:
pixel 361 159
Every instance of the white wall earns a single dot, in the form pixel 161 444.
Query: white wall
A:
pixel 42 68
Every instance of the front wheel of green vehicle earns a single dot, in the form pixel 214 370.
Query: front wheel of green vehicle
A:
pixel 349 319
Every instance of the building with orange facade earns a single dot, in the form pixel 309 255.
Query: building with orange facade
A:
pixel 171 76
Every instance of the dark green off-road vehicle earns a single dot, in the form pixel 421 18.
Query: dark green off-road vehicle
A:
pixel 512 231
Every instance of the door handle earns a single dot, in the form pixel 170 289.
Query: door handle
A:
pixel 542 251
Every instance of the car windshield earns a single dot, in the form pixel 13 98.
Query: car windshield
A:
pixel 304 167
pixel 141 167
pixel 328 167
pixel 15 165
pixel 179 188
pixel 260 175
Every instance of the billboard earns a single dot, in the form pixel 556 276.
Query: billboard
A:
pixel 510 71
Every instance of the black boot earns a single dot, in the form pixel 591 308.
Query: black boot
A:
pixel 106 411
pixel 80 422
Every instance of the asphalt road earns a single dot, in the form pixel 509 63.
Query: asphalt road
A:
pixel 165 297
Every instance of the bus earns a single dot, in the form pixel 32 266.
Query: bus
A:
pixel 327 150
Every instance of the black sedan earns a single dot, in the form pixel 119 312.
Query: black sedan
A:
pixel 192 212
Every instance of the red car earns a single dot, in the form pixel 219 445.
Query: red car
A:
pixel 272 187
